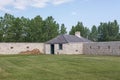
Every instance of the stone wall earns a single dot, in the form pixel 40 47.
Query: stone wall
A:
pixel 73 48
pixel 102 48
pixel 47 49
pixel 16 48
pixel 92 48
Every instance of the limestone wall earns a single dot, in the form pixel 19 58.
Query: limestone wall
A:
pixel 47 49
pixel 102 48
pixel 73 48
pixel 16 48
pixel 92 48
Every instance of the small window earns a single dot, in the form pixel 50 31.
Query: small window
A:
pixel 27 47
pixel 76 50
pixel 60 46
pixel 11 47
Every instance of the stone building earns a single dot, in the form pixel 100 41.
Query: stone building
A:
pixel 66 44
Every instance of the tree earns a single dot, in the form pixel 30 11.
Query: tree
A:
pixel 72 31
pixel 15 31
pixel 35 29
pixel 50 28
pixel 86 32
pixel 1 29
pixel 63 29
pixel 80 27
pixel 94 34
pixel 25 37
pixel 108 31
pixel 7 24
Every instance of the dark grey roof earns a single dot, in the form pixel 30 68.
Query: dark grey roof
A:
pixel 67 39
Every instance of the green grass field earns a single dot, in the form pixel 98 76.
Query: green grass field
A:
pixel 59 67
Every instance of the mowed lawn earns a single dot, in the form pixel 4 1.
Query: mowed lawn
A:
pixel 59 67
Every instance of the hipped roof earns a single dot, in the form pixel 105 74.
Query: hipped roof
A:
pixel 67 39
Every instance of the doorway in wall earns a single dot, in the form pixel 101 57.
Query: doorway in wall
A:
pixel 52 49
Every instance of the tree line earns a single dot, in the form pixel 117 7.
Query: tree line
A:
pixel 21 29
pixel 15 29
pixel 107 31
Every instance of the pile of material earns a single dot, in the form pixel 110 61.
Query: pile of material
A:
pixel 34 51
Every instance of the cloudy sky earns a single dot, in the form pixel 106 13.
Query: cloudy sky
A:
pixel 69 12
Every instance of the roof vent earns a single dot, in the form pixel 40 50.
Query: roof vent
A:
pixel 77 33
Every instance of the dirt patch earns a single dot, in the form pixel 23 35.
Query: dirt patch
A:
pixel 34 51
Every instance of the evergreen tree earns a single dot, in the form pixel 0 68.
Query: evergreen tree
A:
pixel 7 24
pixel 51 28
pixel 94 34
pixel 86 32
pixel 35 29
pixel 1 29
pixel 72 31
pixel 80 27
pixel 108 31
pixel 63 29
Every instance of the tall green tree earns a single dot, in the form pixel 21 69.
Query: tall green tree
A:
pixel 86 32
pixel 72 31
pixel 108 31
pixel 50 28
pixel 35 29
pixel 80 27
pixel 15 31
pixel 8 20
pixel 94 33
pixel 63 29
pixel 1 29
pixel 25 22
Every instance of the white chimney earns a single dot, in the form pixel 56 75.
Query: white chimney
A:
pixel 77 33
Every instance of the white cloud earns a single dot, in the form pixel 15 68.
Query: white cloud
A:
pixel 20 4
pixel 4 3
pixel 57 2
pixel 39 3
pixel 24 4
pixel 5 10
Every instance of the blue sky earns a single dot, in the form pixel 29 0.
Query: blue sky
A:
pixel 69 12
